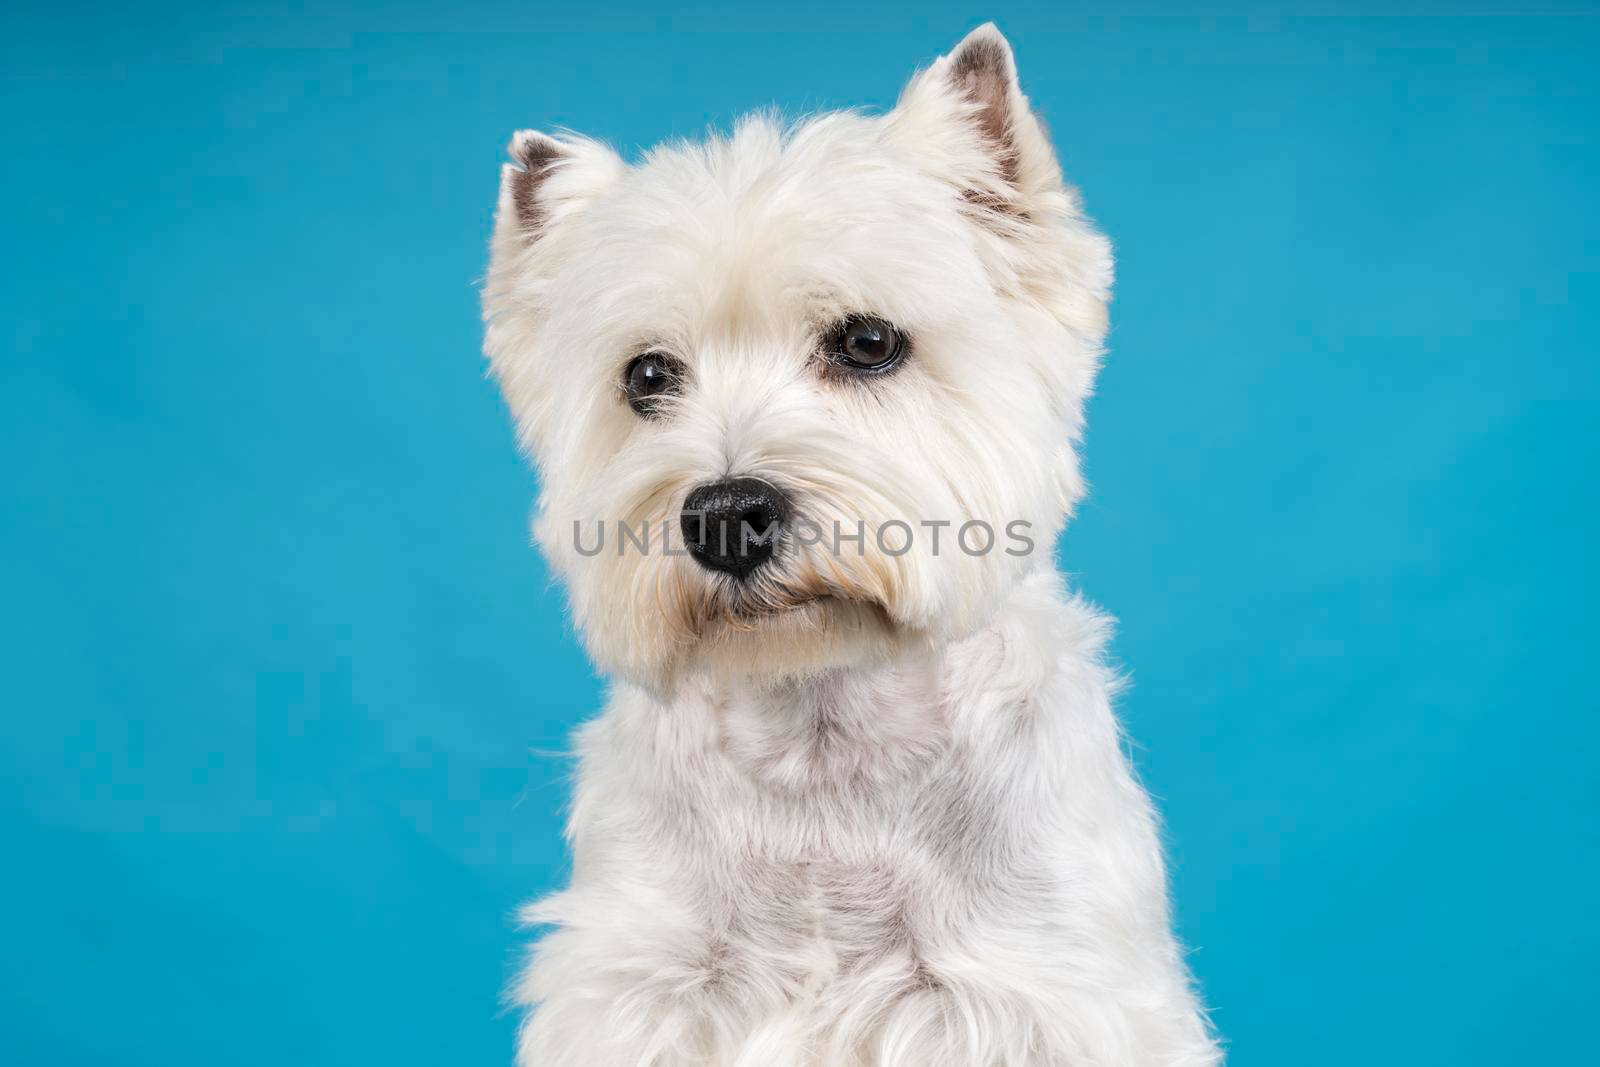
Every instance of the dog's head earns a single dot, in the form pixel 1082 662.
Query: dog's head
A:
pixel 804 396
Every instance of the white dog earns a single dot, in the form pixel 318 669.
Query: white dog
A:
pixel 803 403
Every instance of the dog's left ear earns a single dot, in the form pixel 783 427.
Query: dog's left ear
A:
pixel 967 118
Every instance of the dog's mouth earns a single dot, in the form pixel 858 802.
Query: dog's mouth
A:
pixel 794 596
pixel 741 609
pixel 755 611
pixel 751 606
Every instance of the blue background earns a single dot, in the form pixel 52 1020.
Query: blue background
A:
pixel 285 689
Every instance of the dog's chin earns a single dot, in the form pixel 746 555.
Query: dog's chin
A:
pixel 757 632
pixel 805 635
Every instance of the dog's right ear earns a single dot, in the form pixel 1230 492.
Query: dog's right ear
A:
pixel 547 179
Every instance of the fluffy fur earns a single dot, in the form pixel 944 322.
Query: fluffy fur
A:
pixel 868 808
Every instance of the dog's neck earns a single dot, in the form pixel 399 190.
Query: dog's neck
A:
pixel 850 727
pixel 868 727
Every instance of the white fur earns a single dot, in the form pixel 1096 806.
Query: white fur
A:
pixel 885 821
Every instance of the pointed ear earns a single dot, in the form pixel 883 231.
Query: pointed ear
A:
pixel 547 179
pixel 969 115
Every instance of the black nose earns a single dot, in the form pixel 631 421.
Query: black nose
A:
pixel 733 525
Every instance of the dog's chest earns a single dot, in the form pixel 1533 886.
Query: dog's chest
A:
pixel 857 828
pixel 811 916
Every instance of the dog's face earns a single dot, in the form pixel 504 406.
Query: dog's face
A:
pixel 768 380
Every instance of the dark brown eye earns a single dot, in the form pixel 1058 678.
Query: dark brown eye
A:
pixel 650 378
pixel 866 345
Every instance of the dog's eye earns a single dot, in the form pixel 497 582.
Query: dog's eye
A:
pixel 866 344
pixel 648 379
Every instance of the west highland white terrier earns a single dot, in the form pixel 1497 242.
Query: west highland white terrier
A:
pixel 803 402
